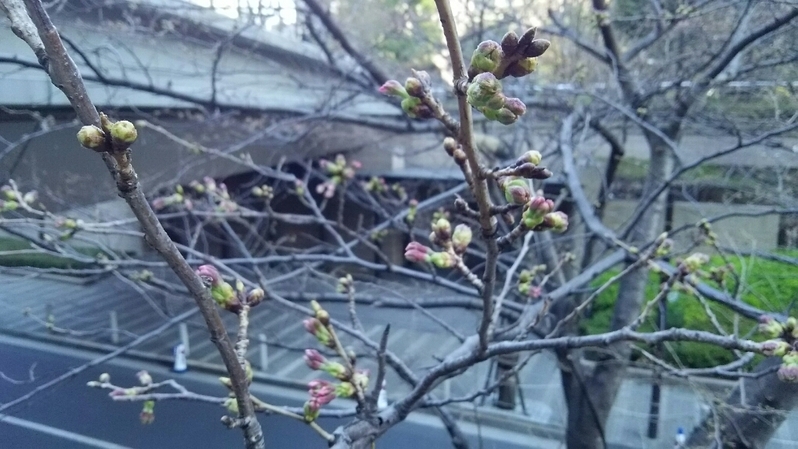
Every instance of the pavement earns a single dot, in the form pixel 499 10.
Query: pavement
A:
pixel 74 416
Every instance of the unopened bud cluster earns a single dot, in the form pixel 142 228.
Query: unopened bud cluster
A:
pixel 227 297
pixel 122 135
pixel 453 241
pixel 413 94
pixel 485 94
pixel 12 199
pixel 339 171
pixel 516 57
pixel 783 343
pixel 526 281
pixel 350 379
pixel 491 62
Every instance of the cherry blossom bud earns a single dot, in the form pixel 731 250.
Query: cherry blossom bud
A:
pixel 91 137
pixel 535 211
pixel 144 378
pixel 532 157
pixel 105 378
pixel 461 238
pixel 414 87
pixel 522 68
pixel 775 348
pixel 516 190
pixel 147 415
pixel 393 88
pixel 442 229
pixel 788 373
pixel 345 390
pixel 314 359
pixel 695 261
pixel 443 260
pixel 485 89
pixel 556 221
pixel 486 58
pixel 336 370
pixel 532 171
pixel 311 410
pixel 255 296
pixel 450 145
pixel 414 107
pixel 515 105
pixel 123 132
pixel 416 252
pixel 770 327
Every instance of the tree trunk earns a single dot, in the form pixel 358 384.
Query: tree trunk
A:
pixel 590 397
pixel 748 425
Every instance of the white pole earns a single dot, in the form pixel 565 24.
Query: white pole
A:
pixel 114 327
pixel 184 337
pixel 264 353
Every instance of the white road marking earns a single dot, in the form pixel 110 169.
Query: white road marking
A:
pixel 60 433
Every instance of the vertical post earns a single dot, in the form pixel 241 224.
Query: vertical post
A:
pixel 114 327
pixel 264 352
pixel 184 337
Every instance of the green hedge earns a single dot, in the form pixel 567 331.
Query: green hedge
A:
pixel 766 284
pixel 37 260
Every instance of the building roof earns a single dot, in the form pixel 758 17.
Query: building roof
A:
pixel 175 54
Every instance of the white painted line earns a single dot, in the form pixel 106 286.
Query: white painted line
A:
pixel 60 433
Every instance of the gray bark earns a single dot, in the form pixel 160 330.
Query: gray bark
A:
pixel 748 425
pixel 590 396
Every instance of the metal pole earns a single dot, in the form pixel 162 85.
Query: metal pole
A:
pixel 264 352
pixel 114 328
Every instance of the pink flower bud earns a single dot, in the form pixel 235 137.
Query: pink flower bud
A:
pixel 314 359
pixel 416 252
pixel 209 275
pixel 788 373
pixel 393 88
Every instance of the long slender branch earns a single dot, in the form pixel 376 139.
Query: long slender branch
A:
pixel 66 76
pixel 479 187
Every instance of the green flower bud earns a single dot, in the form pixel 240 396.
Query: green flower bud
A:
pixel 91 137
pixel 506 117
pixel 415 108
pixel 461 238
pixel 516 190
pixel 414 87
pixel 442 229
pixel 695 261
pixel 770 327
pixel 532 157
pixel 124 132
pixel 483 89
pixel 486 58
pixel 775 348
pixel 345 390
pixel 442 260
pixel 522 68
pixel 556 221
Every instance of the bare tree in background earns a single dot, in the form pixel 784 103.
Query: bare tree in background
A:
pixel 521 310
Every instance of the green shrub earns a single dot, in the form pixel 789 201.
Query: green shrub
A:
pixel 765 284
